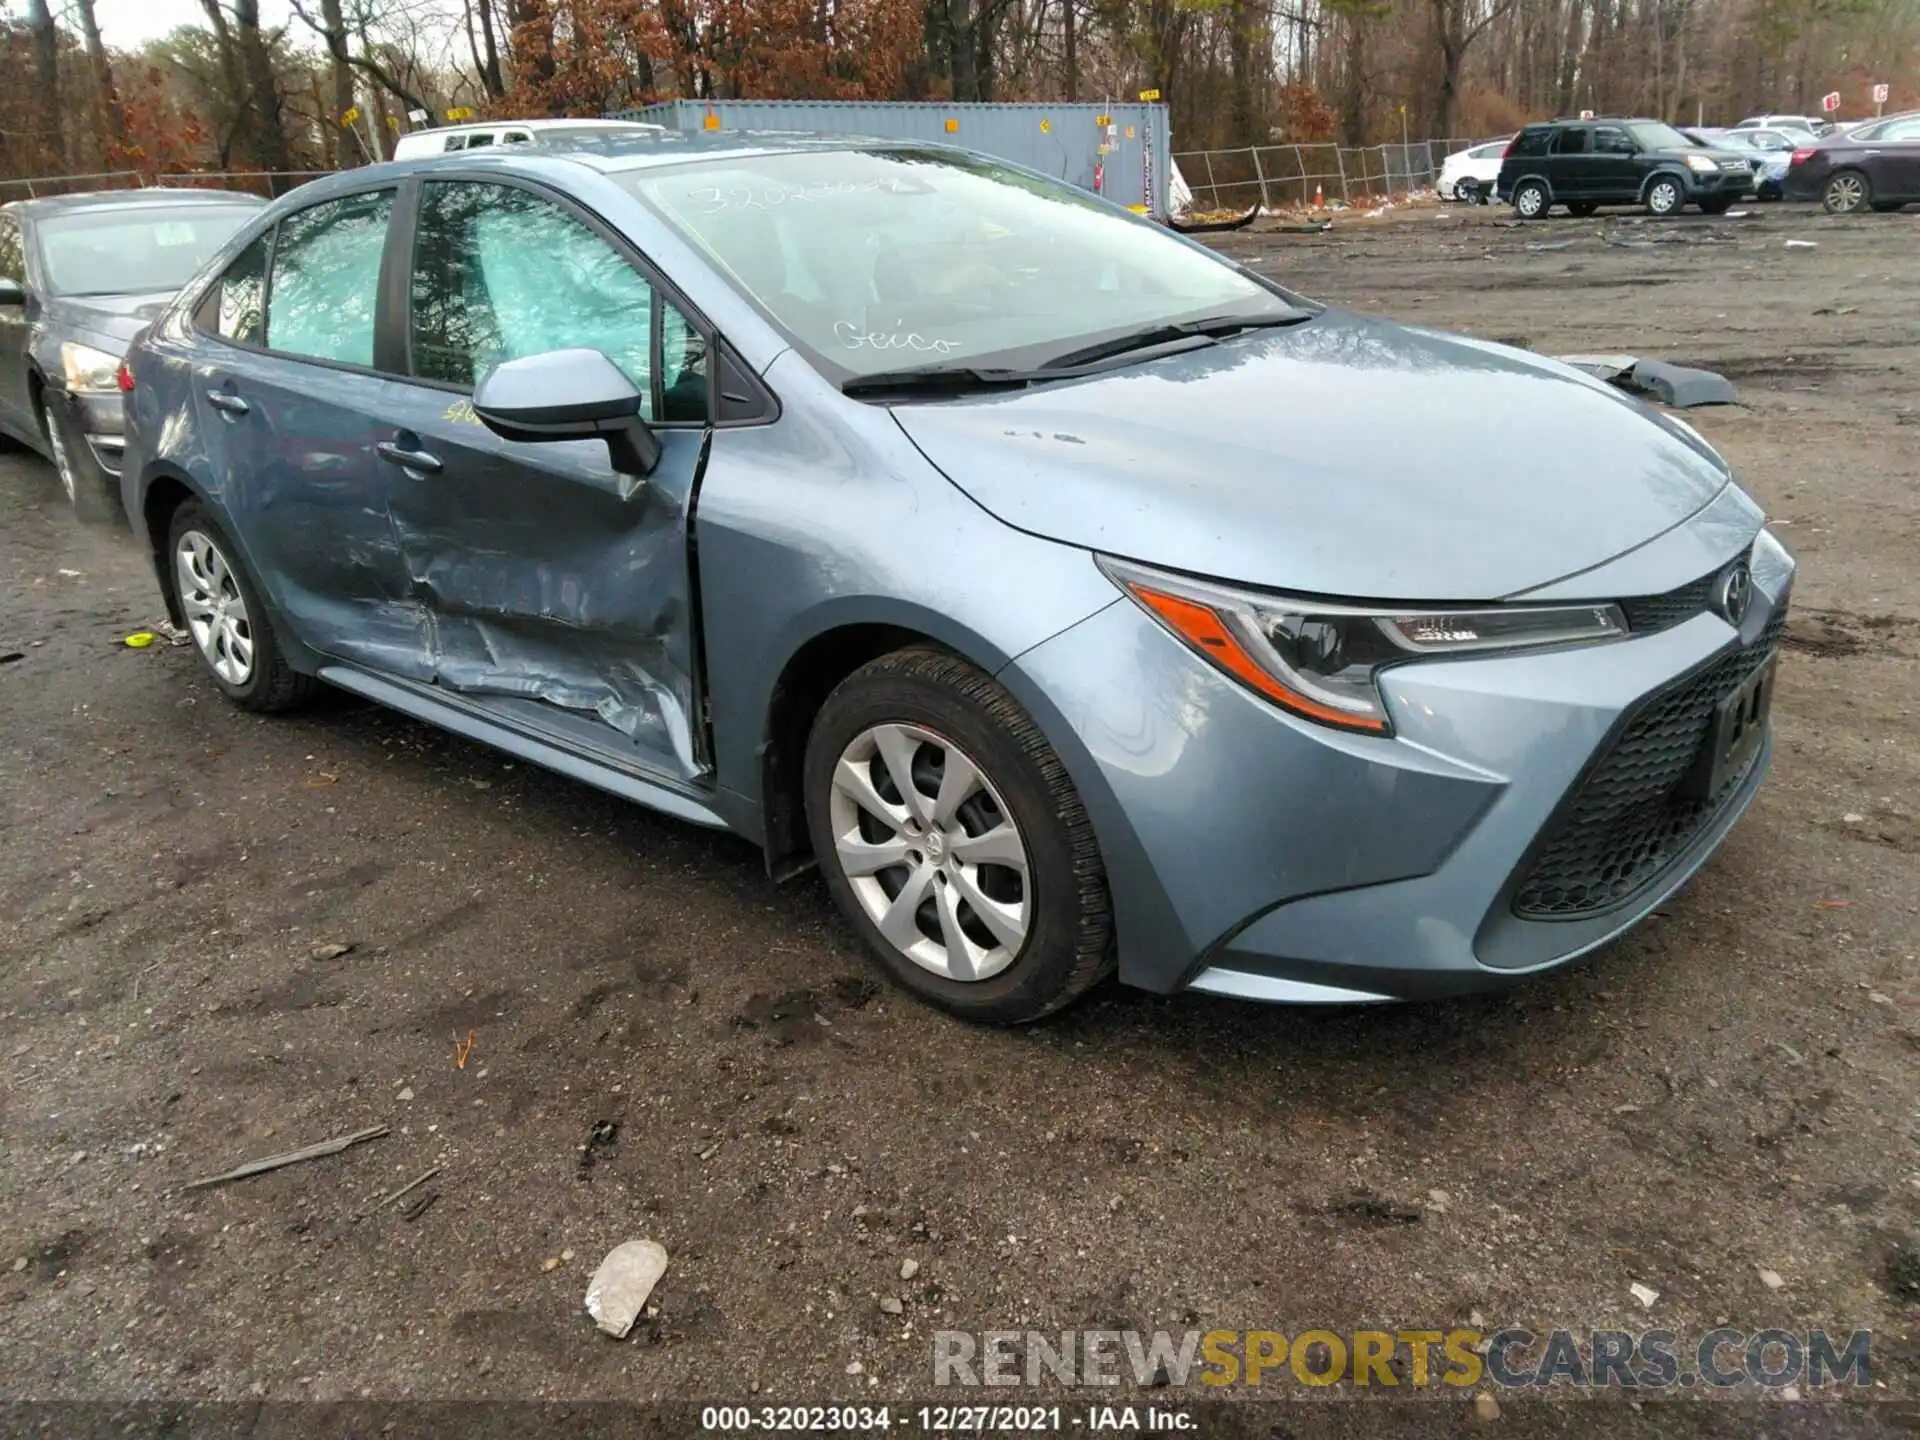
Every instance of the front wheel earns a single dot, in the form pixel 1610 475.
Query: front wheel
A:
pixel 91 492
pixel 952 838
pixel 1665 197
pixel 1531 200
pixel 1846 193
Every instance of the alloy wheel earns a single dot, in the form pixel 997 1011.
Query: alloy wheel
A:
pixel 931 852
pixel 216 610
pixel 1530 201
pixel 1664 198
pixel 1846 192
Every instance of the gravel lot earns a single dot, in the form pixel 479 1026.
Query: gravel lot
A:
pixel 1731 1089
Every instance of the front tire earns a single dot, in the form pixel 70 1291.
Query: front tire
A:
pixel 1531 200
pixel 1847 192
pixel 91 492
pixel 1665 196
pixel 952 838
pixel 226 618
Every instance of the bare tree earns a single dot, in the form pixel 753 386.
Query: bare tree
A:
pixel 46 80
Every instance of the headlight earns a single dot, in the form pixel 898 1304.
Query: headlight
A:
pixel 1702 163
pixel 87 368
pixel 1322 661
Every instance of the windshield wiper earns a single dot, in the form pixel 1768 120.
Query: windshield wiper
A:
pixel 943 380
pixel 1211 327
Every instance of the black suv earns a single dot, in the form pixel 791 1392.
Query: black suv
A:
pixel 1584 164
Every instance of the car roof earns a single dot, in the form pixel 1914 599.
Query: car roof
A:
pixel 546 123
pixel 609 154
pixel 41 207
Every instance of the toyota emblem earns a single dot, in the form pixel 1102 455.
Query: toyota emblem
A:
pixel 1735 594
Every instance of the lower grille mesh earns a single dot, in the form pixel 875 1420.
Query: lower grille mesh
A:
pixel 1628 819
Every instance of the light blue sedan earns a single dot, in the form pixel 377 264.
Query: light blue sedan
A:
pixel 1074 598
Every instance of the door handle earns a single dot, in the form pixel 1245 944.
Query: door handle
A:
pixel 408 459
pixel 228 401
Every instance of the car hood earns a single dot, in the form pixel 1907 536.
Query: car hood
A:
pixel 107 322
pixel 1347 456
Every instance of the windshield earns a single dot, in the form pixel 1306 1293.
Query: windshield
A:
pixel 137 250
pixel 1654 136
pixel 874 260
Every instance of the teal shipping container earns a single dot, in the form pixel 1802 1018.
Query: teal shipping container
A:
pixel 1121 151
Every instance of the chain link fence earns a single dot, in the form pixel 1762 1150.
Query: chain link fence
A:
pixel 1275 177
pixel 265 184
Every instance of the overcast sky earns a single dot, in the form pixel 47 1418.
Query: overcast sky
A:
pixel 128 24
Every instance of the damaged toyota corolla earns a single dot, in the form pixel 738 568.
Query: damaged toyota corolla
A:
pixel 1076 599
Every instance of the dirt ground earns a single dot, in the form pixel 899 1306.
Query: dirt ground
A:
pixel 1729 1090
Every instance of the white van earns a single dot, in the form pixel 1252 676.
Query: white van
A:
pixel 486 133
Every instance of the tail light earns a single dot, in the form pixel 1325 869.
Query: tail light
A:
pixel 123 377
pixel 1510 144
pixel 1801 156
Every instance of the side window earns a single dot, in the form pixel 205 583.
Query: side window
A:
pixel 1571 141
pixel 1533 142
pixel 1905 130
pixel 326 279
pixel 501 274
pixel 1609 141
pixel 13 258
pixel 237 312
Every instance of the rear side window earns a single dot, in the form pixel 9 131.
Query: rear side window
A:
pixel 1902 130
pixel 1571 141
pixel 1533 141
pixel 326 279
pixel 239 306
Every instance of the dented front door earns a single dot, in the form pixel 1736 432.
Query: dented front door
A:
pixel 551 584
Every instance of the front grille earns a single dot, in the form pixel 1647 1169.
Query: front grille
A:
pixel 1628 820
pixel 1647 613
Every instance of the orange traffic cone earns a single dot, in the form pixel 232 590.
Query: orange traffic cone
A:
pixel 1319 196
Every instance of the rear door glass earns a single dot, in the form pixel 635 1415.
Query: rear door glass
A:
pixel 326 279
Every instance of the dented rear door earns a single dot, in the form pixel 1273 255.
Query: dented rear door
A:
pixel 552 586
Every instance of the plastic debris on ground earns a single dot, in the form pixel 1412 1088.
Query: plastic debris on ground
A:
pixel 619 1289
pixel 1680 386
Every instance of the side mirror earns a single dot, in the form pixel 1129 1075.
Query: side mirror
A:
pixel 569 395
pixel 12 292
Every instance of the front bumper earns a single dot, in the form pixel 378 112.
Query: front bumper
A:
pixel 1256 855
pixel 1719 182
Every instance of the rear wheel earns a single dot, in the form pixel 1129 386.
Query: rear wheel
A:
pixel 1665 196
pixel 952 838
pixel 1846 193
pixel 1531 200
pixel 226 618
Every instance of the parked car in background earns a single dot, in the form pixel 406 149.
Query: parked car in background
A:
pixel 1874 167
pixel 952 528
pixel 484 134
pixel 1769 150
pixel 1802 124
pixel 1584 164
pixel 1478 165
pixel 79 276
